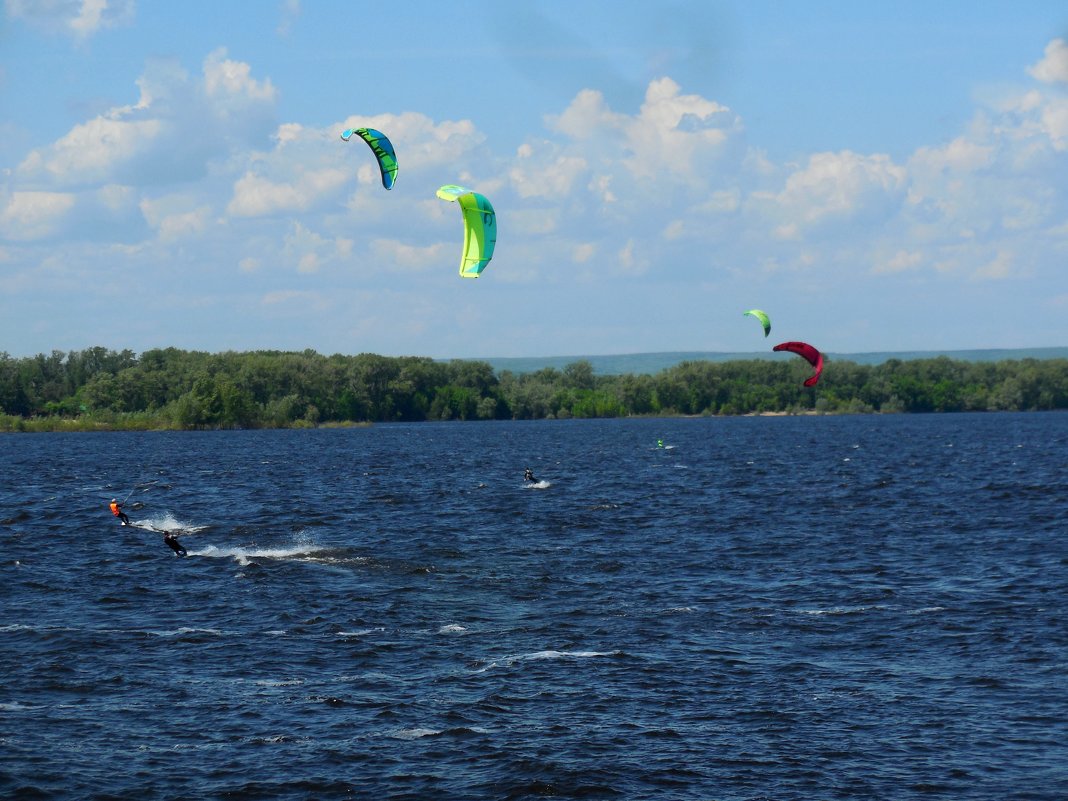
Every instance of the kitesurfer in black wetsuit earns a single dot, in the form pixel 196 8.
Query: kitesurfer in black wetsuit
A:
pixel 528 475
pixel 172 541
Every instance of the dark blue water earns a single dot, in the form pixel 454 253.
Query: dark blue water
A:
pixel 865 607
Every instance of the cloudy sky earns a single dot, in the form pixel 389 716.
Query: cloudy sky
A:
pixel 875 176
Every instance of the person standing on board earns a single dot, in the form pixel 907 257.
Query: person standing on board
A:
pixel 116 509
pixel 172 541
pixel 528 475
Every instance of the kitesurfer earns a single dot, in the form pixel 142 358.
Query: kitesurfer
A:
pixel 528 475
pixel 116 509
pixel 172 541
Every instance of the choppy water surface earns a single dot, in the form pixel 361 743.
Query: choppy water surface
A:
pixel 862 607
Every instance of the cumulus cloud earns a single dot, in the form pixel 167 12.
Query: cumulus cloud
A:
pixel 389 254
pixel 671 186
pixel 172 133
pixel 536 178
pixel 79 18
pixel 309 251
pixel 34 215
pixel 230 81
pixel 256 196
pixel 1053 68
pixel 838 186
pixel 673 133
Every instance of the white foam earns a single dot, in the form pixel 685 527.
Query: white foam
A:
pixel 360 633
pixel 546 655
pixel 927 609
pixel 451 628
pixel 166 522
pixel 415 734
pixel 279 682
pixel 537 485
pixel 242 555
pixel 183 631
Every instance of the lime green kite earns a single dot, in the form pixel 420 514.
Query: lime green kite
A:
pixel 480 228
pixel 764 319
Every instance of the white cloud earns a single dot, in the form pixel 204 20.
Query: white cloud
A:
pixel 901 261
pixel 960 155
pixel 1053 68
pixel 674 229
pixel 290 13
pixel 672 134
pixel 256 196
pixel 1002 266
pixel 174 131
pixel 629 261
pixel 389 254
pixel 80 18
pixel 226 78
pixel 839 186
pixel 583 252
pixel 92 151
pixel 536 178
pixel 310 250
pixel 34 215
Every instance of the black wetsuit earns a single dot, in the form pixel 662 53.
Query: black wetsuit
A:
pixel 172 541
pixel 529 476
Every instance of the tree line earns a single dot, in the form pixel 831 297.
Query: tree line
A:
pixel 177 389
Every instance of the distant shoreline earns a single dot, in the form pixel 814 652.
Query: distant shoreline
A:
pixel 46 425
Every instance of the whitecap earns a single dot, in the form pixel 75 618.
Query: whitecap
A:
pixel 451 628
pixel 15 706
pixel 545 655
pixel 926 610
pixel 567 654
pixel 279 682
pixel 415 734
pixel 360 633
pixel 181 632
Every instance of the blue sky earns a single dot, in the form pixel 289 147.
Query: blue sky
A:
pixel 874 176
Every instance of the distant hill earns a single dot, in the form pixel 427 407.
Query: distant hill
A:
pixel 652 363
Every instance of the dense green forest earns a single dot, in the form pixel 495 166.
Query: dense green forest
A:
pixel 175 389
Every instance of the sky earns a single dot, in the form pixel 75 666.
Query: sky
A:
pixel 874 176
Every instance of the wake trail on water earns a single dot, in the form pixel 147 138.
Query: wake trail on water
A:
pixel 303 550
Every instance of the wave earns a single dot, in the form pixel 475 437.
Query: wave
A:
pixel 537 656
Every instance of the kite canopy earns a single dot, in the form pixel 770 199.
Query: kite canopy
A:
pixel 383 150
pixel 764 319
pixel 807 352
pixel 480 228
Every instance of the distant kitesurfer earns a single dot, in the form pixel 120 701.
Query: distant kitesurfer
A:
pixel 528 475
pixel 116 509
pixel 172 541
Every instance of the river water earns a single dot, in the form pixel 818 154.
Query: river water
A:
pixel 851 607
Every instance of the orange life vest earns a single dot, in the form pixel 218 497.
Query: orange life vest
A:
pixel 114 508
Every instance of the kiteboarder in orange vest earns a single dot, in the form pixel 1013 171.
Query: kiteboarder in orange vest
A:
pixel 116 509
